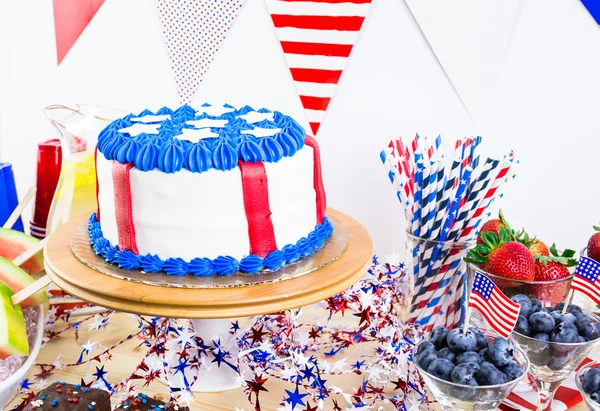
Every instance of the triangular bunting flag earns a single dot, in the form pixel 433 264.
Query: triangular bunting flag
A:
pixel 71 17
pixel 194 31
pixel 593 7
pixel 317 38
pixel 470 39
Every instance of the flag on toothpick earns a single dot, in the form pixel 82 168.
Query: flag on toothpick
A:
pixel 500 312
pixel 585 278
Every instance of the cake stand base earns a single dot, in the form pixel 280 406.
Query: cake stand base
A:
pixel 213 378
pixel 211 307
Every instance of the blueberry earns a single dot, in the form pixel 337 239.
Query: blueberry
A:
pixel 595 396
pixel 536 306
pixel 447 353
pixel 562 318
pixel 425 346
pixel 426 358
pixel 541 322
pixel 501 352
pixel 560 359
pixel 489 375
pixel 438 336
pixel 589 329
pixel 463 373
pixel 580 339
pixel 522 326
pixel 460 341
pixel 564 333
pixel 582 316
pixel 483 355
pixel 441 368
pixel 512 370
pixel 469 356
pixel 572 308
pixel 559 307
pixel 591 380
pixel 541 337
pixel 482 339
pixel 524 302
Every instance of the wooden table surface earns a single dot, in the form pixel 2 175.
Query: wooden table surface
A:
pixel 127 356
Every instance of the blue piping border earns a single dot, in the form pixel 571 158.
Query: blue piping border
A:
pixel 222 265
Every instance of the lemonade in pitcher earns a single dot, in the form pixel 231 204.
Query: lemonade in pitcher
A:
pixel 78 128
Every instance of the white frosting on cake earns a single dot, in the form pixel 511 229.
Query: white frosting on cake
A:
pixel 191 215
pixel 292 197
pixel 106 198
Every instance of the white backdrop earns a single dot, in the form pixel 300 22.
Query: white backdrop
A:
pixel 546 105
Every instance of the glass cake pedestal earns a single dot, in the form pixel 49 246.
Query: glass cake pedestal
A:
pixel 340 263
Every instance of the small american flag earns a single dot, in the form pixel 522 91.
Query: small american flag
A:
pixel 499 311
pixel 585 279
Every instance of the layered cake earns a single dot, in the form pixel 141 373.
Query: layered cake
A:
pixel 207 192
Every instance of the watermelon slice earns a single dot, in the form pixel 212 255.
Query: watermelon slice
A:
pixel 14 243
pixel 18 279
pixel 13 334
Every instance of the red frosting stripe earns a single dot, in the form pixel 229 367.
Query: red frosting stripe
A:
pixel 97 186
pixel 258 211
pixel 123 209
pixel 318 179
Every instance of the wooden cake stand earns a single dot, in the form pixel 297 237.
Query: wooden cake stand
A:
pixel 212 308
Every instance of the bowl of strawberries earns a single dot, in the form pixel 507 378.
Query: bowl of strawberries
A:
pixel 520 264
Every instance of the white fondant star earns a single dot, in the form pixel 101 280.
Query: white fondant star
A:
pixel 255 116
pixel 207 122
pixel 262 132
pixel 139 128
pixel 42 384
pixel 151 119
pixel 193 136
pixel 89 346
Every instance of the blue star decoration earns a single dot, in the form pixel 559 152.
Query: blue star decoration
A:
pixel 100 373
pixel 235 326
pixel 358 364
pixel 295 398
pixel 26 384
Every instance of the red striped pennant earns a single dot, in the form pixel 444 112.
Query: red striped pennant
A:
pixel 317 37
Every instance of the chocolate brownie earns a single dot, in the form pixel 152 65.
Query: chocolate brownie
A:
pixel 142 402
pixel 63 396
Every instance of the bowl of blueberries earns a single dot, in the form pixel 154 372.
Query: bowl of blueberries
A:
pixel 469 370
pixel 588 383
pixel 555 343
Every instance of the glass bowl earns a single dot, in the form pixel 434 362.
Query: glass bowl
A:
pixel 591 404
pixel 458 397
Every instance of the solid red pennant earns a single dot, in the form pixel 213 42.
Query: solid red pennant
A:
pixel 71 17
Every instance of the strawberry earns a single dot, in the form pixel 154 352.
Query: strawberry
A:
pixel 502 256
pixel 554 267
pixel 535 246
pixel 492 226
pixel 593 247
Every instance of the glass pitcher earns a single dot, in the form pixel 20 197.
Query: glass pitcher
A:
pixel 78 128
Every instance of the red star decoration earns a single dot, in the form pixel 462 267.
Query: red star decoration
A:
pixel 336 407
pixel 46 372
pixel 108 356
pixel 342 306
pixel 256 385
pixel 314 333
pixel 258 334
pixel 85 384
pixel 399 384
pixel 365 316
pixel 184 355
pixel 309 408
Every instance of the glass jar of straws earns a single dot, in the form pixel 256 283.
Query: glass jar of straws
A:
pixel 440 280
